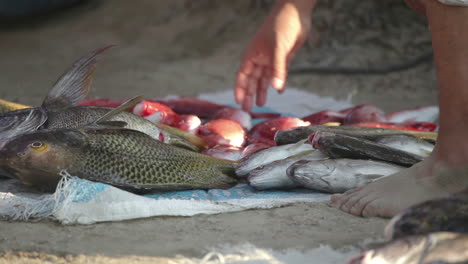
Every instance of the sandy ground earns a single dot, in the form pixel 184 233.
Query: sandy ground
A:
pixel 191 47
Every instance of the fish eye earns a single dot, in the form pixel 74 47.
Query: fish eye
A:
pixel 39 146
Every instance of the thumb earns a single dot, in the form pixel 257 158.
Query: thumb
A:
pixel 279 72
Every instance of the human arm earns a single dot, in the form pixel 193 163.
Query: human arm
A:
pixel 274 45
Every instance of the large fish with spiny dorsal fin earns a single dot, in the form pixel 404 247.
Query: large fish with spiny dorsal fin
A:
pixel 104 151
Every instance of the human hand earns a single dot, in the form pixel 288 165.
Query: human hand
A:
pixel 268 55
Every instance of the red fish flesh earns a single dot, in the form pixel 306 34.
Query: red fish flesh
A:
pixel 264 132
pixel 222 132
pixel 324 117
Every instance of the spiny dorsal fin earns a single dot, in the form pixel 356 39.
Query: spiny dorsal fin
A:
pixel 124 106
pixel 35 119
pixel 73 86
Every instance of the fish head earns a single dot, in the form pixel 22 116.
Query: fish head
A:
pixel 38 158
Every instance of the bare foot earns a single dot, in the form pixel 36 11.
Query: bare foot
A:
pixel 390 195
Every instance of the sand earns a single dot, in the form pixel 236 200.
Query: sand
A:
pixel 189 48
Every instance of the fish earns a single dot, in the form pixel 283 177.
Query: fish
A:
pixel 447 214
pixel 267 155
pixel 252 148
pixel 59 108
pixel 222 132
pixel 288 136
pixel 419 114
pixel 102 102
pixel 69 90
pixel 341 146
pixel 125 158
pixel 412 126
pixel 264 131
pixel 364 113
pixel 324 117
pixel 407 143
pixel 7 106
pixel 224 152
pixel 190 123
pixel 274 175
pixel 240 116
pixel 338 175
pixel 439 247
pixel 204 108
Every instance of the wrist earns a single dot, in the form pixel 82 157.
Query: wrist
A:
pixel 303 6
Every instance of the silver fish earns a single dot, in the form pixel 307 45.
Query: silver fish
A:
pixel 273 175
pixel 293 135
pixel 341 146
pixel 265 156
pixel 407 143
pixel 338 175
pixel 433 248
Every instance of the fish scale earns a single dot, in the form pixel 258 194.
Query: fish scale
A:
pixel 127 157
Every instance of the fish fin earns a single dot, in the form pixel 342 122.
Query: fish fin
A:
pixel 124 106
pixel 298 144
pixel 300 154
pixel 35 119
pixel 73 86
pixel 190 138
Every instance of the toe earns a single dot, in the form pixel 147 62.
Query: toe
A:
pixel 338 199
pixel 355 203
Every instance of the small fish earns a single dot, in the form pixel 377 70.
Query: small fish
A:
pixel 420 114
pixel 222 132
pixel 433 248
pixel 224 152
pixel 338 175
pixel 264 132
pixel 448 214
pixel 267 155
pixel 411 126
pixel 341 146
pixel 204 108
pixel 274 175
pixel 323 117
pixel 125 158
pixel 364 113
pixel 299 133
pixel 254 147
pixel 7 106
pixel 407 143
pixel 240 116
pixel 190 123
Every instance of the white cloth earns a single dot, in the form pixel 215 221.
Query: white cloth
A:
pixel 455 2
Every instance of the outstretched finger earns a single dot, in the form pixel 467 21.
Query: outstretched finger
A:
pixel 241 87
pixel 245 70
pixel 279 73
pixel 252 86
pixel 263 84
pixel 262 91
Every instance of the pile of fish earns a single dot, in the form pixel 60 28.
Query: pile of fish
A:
pixel 434 231
pixel 102 144
pixel 185 143
pixel 328 151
